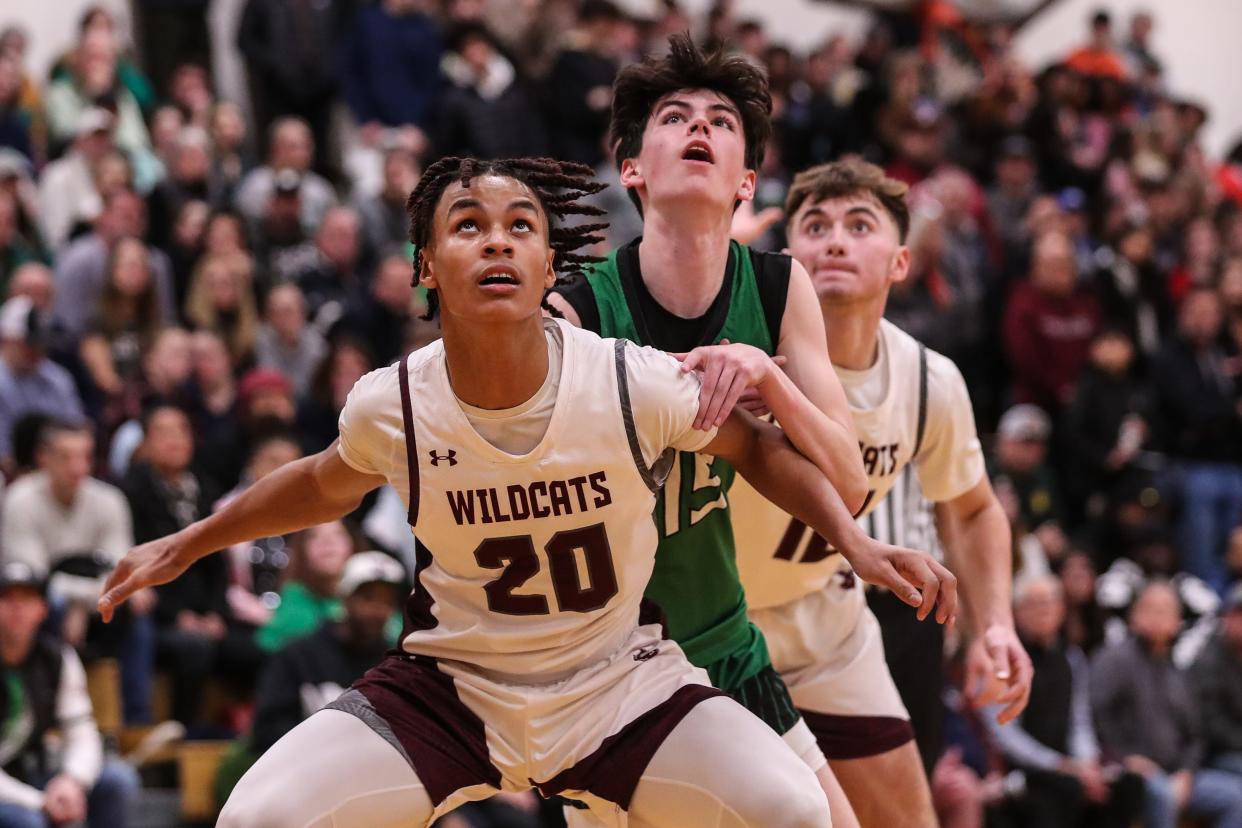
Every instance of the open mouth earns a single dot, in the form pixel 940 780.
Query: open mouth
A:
pixel 503 275
pixel 698 151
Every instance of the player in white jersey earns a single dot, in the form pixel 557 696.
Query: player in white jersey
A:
pixel 528 453
pixel 847 225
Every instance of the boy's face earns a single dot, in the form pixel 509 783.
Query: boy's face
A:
pixel 489 259
pixel 850 247
pixel 693 149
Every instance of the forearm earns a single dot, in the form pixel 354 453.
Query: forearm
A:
pixel 288 499
pixel 978 549
pixel 831 445
pixel 780 473
pixel 13 791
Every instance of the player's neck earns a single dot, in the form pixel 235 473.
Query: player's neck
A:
pixel 683 257
pixel 496 366
pixel 853 333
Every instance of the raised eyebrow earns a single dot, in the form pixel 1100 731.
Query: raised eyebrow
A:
pixel 813 212
pixel 721 107
pixel 671 102
pixel 523 204
pixel 462 204
pixel 867 210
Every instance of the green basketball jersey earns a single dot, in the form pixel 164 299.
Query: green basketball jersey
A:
pixel 695 580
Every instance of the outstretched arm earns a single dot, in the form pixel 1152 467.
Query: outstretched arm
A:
pixel 764 456
pixel 307 492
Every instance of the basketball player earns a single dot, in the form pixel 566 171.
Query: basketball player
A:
pixel 847 226
pixel 528 453
pixel 689 132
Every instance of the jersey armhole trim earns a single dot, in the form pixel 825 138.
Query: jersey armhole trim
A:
pixel 772 274
pixel 411 447
pixel 652 477
pixel 922 424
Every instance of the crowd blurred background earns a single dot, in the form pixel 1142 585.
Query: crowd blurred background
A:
pixel 191 287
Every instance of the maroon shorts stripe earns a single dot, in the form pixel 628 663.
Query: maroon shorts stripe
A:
pixel 857 737
pixel 411 445
pixel 443 740
pixel 613 770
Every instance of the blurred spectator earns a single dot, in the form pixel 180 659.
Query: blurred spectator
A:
pixel 35 282
pixel 1217 679
pixel 45 691
pixel 213 407
pixel 580 85
pixel 67 194
pixel 485 112
pixel 185 245
pixel 308 597
pixel 282 245
pixel 309 672
pixel 59 513
pixel 16 122
pixel 29 381
pixel 1137 48
pixel 320 409
pixel 255 567
pixel 189 178
pixel 1023 479
pixel 189 89
pixel 1133 293
pixel 1053 741
pixel 1200 427
pixel 1084 617
pixel 121 327
pixel 1010 198
pixel 285 342
pixel 384 220
pixel 385 315
pixel 1098 57
pixel 195 636
pixel 1135 681
pixel 292 148
pixel 82 268
pixel 290 51
pixel 390 72
pixel 334 275
pixel 14 250
pixel 1049 324
pixel 92 76
pixel 166 368
pixel 221 299
pixel 230 158
pixel 1106 424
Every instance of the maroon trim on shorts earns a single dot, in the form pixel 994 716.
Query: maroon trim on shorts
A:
pixel 411 445
pixel 613 770
pixel 857 737
pixel 442 738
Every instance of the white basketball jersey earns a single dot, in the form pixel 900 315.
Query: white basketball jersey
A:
pixel 529 567
pixel 919 411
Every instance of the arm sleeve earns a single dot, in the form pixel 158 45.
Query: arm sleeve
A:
pixel 1020 747
pixel 365 445
pixel 16 792
pixel 664 400
pixel 950 461
pixel 83 752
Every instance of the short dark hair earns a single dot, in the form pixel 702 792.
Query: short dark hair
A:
pixel 558 186
pixel 57 426
pixel 845 179
pixel 640 86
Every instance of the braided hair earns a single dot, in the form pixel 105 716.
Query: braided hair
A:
pixel 558 186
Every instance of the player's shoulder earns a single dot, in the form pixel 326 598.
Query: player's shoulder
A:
pixel 381 387
pixel 643 360
pixel 907 353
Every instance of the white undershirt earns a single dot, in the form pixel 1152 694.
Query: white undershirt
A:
pixel 519 429
pixel 866 389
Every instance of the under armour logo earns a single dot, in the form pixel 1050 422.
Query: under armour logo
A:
pixel 646 653
pixel 451 457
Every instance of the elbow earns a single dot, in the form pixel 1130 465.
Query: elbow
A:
pixel 854 495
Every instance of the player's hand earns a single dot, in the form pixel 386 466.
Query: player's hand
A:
pixel 64 800
pixel 915 577
pixel 748 225
pixel 998 671
pixel 726 371
pixel 145 566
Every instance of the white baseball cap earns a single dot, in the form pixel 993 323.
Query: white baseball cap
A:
pixel 367 568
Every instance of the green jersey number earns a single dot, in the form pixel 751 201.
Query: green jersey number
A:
pixel 702 493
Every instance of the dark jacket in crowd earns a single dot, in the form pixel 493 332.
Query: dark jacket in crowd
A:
pixel 1144 705
pixel 1217 678
pixel 305 675
pixel 580 128
pixel 1197 404
pixel 390 70
pixel 1092 424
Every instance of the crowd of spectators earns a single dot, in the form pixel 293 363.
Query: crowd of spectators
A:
pixel 190 288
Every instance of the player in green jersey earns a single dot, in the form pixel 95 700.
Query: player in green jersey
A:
pixel 689 131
